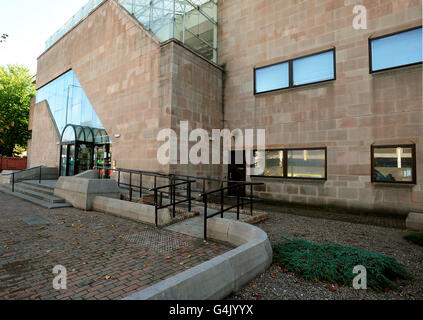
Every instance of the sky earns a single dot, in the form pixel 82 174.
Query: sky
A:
pixel 29 23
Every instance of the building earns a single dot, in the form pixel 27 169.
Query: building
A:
pixel 342 106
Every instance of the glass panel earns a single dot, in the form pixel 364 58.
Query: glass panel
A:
pixel 71 160
pixel 68 102
pixel 310 164
pixel 88 135
pixel 273 162
pixel 84 158
pixel 393 165
pixel 272 78
pixel 63 161
pixel 397 50
pixel 316 68
pixel 69 135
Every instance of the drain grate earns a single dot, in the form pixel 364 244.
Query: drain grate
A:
pixel 156 241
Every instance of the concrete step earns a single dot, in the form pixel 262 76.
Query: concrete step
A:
pixel 34 200
pixel 36 188
pixel 36 184
pixel 34 194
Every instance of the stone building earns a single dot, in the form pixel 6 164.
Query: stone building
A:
pixel 340 98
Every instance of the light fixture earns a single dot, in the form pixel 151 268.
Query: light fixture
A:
pixel 117 135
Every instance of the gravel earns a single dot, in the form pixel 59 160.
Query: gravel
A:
pixel 274 285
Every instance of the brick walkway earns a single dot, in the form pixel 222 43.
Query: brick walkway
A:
pixel 106 257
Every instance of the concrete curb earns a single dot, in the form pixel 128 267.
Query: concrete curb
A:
pixel 219 277
pixel 414 221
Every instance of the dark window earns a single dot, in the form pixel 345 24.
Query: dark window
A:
pixel 394 164
pixel 396 50
pixel 292 163
pixel 315 68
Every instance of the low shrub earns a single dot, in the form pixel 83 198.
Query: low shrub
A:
pixel 335 263
pixel 415 237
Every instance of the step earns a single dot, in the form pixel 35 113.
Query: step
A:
pixel 36 188
pixel 36 184
pixel 42 196
pixel 36 201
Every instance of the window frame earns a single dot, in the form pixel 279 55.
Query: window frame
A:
pixel 285 164
pixel 413 168
pixel 387 36
pixel 291 72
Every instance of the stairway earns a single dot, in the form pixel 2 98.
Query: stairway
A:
pixel 39 194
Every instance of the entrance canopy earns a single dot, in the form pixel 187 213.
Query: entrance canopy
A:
pixel 73 134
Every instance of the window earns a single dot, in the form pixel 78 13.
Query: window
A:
pixel 315 68
pixel 307 164
pixel 273 162
pixel 394 164
pixel 292 163
pixel 396 50
pixel 318 67
pixel 272 78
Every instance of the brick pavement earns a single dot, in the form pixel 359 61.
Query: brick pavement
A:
pixel 106 257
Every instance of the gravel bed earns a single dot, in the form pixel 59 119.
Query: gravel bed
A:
pixel 274 285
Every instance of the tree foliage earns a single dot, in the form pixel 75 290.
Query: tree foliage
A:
pixel 16 92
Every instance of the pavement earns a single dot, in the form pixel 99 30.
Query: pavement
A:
pixel 105 257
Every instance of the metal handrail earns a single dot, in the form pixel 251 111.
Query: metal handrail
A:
pixel 222 211
pixel 173 187
pixel 39 175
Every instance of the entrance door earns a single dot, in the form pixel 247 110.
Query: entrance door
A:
pixel 237 172
pixel 103 158
pixel 67 160
pixel 84 158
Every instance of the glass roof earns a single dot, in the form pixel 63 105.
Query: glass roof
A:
pixel 74 133
pixel 193 22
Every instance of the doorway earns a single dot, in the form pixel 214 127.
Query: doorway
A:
pixel 237 172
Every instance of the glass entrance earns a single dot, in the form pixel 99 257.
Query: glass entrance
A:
pixel 82 149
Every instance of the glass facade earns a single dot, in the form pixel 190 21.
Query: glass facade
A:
pixel 396 50
pixel 193 22
pixel 68 103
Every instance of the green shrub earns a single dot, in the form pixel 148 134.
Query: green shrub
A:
pixel 415 237
pixel 335 263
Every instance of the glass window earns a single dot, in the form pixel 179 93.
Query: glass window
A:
pixel 315 68
pixel 272 78
pixel 273 162
pixel 397 50
pixel 68 102
pixel 310 164
pixel 69 135
pixel 393 164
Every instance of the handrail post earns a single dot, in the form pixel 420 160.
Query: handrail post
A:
pixel 39 180
pixel 174 196
pixel 251 198
pixel 237 206
pixel 189 197
pixel 130 186
pixel 222 204
pixel 205 217
pixel 156 218
pixel 118 178
pixel 141 186
pixel 13 182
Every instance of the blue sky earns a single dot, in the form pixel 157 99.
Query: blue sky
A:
pixel 29 23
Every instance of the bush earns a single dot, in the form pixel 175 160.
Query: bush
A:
pixel 335 263
pixel 415 237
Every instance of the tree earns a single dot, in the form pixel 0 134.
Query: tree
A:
pixel 16 92
pixel 3 37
